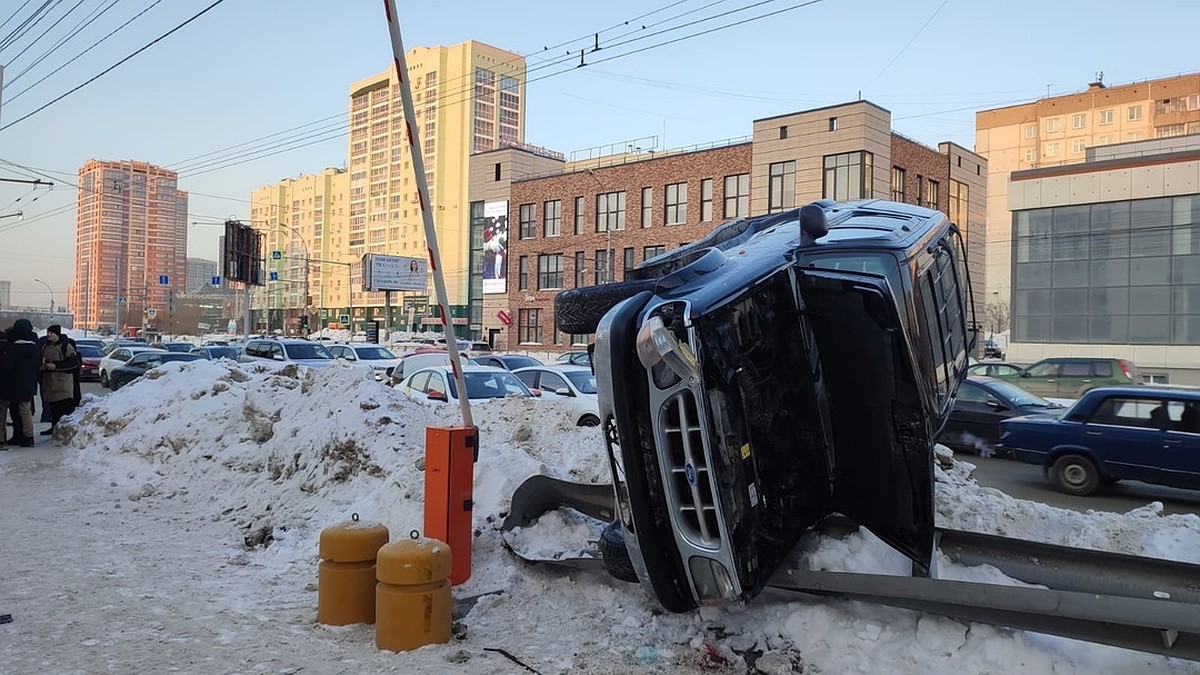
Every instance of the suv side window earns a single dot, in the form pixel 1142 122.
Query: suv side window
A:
pixel 529 377
pixel 972 393
pixel 252 349
pixel 276 351
pixel 1044 369
pixel 1102 368
pixel 1076 369
pixel 942 300
pixel 420 382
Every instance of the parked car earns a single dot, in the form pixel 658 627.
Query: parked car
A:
pixel 287 350
pixel 214 352
pixel 379 359
pixel 417 359
pixel 995 369
pixel 1071 377
pixel 506 361
pixel 122 342
pixel 483 383
pixel 176 347
pixel 89 361
pixel 992 350
pixel 90 342
pixel 478 347
pixel 575 358
pixel 1145 433
pixel 117 357
pixel 573 386
pixel 140 363
pixel 981 404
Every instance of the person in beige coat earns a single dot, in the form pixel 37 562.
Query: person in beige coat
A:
pixel 59 364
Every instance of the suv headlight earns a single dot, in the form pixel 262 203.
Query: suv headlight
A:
pixel 656 343
pixel 711 579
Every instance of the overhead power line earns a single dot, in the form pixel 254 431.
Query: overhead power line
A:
pixel 43 34
pixel 72 33
pixel 114 66
pixel 28 24
pixel 14 14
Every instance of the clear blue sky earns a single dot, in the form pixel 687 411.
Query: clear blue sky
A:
pixel 249 68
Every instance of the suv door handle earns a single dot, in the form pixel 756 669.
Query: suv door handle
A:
pixel 1095 433
pixel 1173 441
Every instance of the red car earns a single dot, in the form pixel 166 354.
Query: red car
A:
pixel 89 368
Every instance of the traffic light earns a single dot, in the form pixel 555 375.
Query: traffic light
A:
pixel 304 322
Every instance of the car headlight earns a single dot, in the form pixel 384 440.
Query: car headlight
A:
pixel 711 579
pixel 656 343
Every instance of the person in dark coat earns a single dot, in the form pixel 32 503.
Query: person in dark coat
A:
pixel 20 365
pixel 60 363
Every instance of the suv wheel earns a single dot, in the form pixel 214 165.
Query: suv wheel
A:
pixel 579 310
pixel 104 379
pixel 1075 475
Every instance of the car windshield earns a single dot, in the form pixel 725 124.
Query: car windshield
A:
pixel 307 351
pixel 514 362
pixel 88 351
pixel 491 385
pixel 583 381
pixel 223 353
pixel 373 353
pixel 1019 396
pixel 177 346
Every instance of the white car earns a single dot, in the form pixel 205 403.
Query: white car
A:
pixel 483 384
pixel 573 386
pixel 117 358
pixel 380 359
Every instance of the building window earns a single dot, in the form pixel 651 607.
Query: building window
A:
pixel 550 271
pixel 580 269
pixel 1105 140
pixel 897 184
pixel 706 200
pixel 848 176
pixel 1030 131
pixel 782 186
pixel 552 218
pixel 1029 156
pixel 1079 121
pixel 579 215
pixel 783 132
pixel 647 206
pixel 1053 125
pixel 1169 130
pixel 675 204
pixel 579 339
pixel 600 274
pixel 1135 113
pixel 1133 136
pixel 1050 150
pixel 496 171
pixel 737 195
pixel 1078 145
pixel 960 203
pixel 529 326
pixel 522 273
pixel 931 195
pixel 610 211
pixel 528 222
pixel 628 260
pixel 1106 116
pixel 649 252
pixel 833 124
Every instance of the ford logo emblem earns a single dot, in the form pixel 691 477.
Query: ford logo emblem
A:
pixel 689 472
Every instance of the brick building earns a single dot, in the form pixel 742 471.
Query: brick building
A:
pixel 582 223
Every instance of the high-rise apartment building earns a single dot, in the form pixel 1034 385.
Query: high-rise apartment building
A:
pixel 308 274
pixel 200 273
pixel 1059 130
pixel 131 239
pixel 468 98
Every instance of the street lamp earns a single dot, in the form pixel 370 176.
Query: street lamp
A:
pixel 19 215
pixel 51 290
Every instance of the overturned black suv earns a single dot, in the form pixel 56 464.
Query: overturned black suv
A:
pixel 784 368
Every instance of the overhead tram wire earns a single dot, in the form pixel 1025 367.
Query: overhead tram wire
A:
pixel 114 66
pixel 75 30
pixel 52 27
pixel 95 44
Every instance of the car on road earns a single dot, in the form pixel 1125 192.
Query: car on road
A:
pixel 89 361
pixel 176 347
pixel 995 369
pixel 981 404
pixel 90 342
pixel 992 350
pixel 506 361
pixel 1071 377
pixel 573 386
pixel 483 383
pixel 213 352
pixel 1145 433
pixel 575 358
pixel 117 357
pixel 412 361
pixel 140 363
pixel 287 350
pixel 379 359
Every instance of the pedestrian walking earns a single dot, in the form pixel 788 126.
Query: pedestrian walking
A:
pixel 60 361
pixel 20 365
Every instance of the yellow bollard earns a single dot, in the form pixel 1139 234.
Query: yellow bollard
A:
pixel 413 605
pixel 346 581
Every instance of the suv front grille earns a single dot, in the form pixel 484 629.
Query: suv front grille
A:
pixel 689 477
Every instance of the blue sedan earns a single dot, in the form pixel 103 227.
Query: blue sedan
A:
pixel 1150 434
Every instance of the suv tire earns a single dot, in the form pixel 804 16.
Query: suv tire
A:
pixel 579 310
pixel 1075 475
pixel 615 555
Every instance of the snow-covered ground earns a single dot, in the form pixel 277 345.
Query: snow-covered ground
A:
pixel 176 531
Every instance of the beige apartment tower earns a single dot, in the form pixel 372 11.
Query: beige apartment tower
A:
pixel 1058 131
pixel 131 243
pixel 468 98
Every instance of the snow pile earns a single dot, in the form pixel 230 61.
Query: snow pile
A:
pixel 279 453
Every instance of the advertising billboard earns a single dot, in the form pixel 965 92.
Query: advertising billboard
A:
pixel 394 273
pixel 495 247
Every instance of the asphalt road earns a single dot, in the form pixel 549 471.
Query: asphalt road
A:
pixel 1024 481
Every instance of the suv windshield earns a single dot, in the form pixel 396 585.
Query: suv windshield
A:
pixel 373 353
pixel 491 385
pixel 584 381
pixel 307 351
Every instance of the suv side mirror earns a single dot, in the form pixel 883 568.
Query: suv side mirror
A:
pixel 277 357
pixel 565 391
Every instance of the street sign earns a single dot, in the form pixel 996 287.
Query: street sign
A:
pixel 151 312
pixel 163 280
pixel 505 317
pixel 344 319
pixel 216 281
pixel 276 255
pixel 274 275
